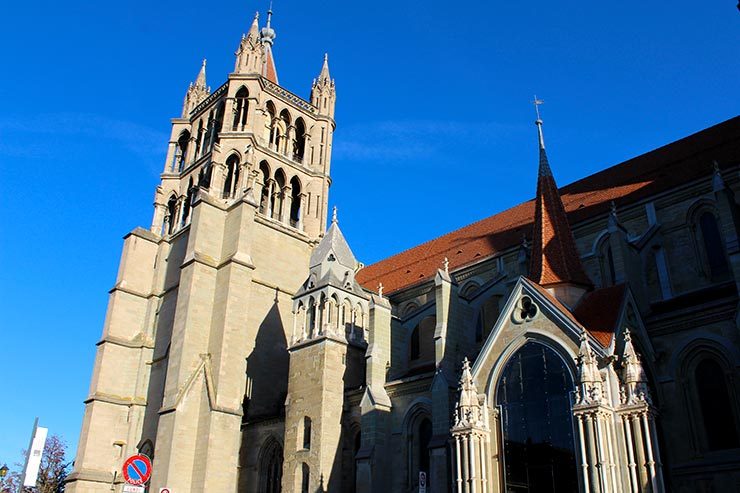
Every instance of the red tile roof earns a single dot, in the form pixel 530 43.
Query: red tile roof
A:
pixel 599 312
pixel 268 70
pixel 555 259
pixel 662 169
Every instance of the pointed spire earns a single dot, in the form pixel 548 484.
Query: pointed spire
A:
pixel 197 92
pixel 200 81
pixel 634 380
pixel 268 33
pixel 589 389
pixel 555 259
pixel 254 29
pixel 324 74
pixel 267 36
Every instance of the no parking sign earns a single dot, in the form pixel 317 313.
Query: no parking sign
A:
pixel 137 469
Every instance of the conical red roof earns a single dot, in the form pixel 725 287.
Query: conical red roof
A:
pixel 554 258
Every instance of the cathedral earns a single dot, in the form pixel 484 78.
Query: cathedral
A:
pixel 586 340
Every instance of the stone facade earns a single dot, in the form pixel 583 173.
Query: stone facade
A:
pixel 245 348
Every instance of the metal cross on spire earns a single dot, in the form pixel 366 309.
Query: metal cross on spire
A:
pixel 537 103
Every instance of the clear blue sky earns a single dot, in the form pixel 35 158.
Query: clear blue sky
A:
pixel 435 130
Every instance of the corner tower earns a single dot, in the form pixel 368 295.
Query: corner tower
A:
pixel 193 358
pixel 327 353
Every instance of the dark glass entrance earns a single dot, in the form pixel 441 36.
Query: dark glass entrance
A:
pixel 534 395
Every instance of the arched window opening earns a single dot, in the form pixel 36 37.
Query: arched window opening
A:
pixel 716 406
pixel 271 467
pixel 421 344
pixel 305 477
pixel 534 397
pixel 199 139
pixel 188 203
pixel 714 249
pixel 425 436
pixel 415 350
pixel 208 139
pixel 265 196
pixel 271 115
pixel 278 196
pixel 282 143
pixel 300 140
pixel 419 436
pixel 306 433
pixel 232 176
pixel 218 122
pixel 311 314
pixel 181 153
pixel 241 106
pixel 606 263
pixel 487 318
pixel 171 214
pixel 295 202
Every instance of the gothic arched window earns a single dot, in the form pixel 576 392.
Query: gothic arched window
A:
pixel 241 105
pixel 419 436
pixel 712 245
pixel 295 202
pixel 534 396
pixel 271 467
pixel 265 196
pixel 421 342
pixel 487 317
pixel 306 433
pixel 606 263
pixel 172 213
pixel 300 140
pixel 232 176
pixel 305 477
pixel 182 150
pixel 716 407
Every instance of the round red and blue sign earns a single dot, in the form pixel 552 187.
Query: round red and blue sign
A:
pixel 137 469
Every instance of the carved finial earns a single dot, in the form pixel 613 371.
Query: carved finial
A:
pixel 446 264
pixel 334 219
pixel 380 289
pixel 717 182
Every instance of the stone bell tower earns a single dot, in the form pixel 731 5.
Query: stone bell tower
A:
pixel 207 290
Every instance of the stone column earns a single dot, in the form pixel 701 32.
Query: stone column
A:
pixel 285 205
pixel 169 161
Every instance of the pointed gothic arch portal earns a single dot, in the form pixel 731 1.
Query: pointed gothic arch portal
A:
pixel 271 467
pixel 533 394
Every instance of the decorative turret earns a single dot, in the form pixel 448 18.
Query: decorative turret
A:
pixel 331 302
pixel 471 435
pixel 555 264
pixel 590 384
pixel 250 55
pixel 470 410
pixel 197 92
pixel 323 90
pixel 634 380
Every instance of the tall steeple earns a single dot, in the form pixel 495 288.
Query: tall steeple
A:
pixel 197 92
pixel 268 38
pixel 555 260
